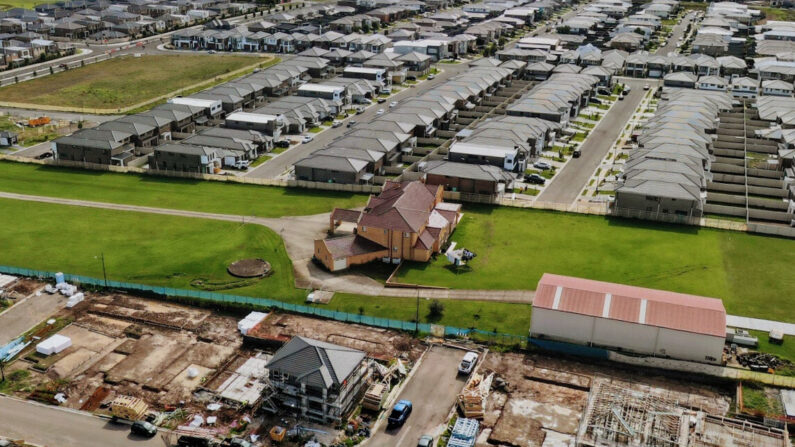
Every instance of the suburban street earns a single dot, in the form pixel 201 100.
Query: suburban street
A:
pixel 276 167
pixel 565 187
pixel 433 391
pixel 53 427
pixel 677 32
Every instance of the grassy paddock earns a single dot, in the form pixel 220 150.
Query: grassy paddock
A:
pixel 515 247
pixel 144 248
pixel 27 4
pixel 166 192
pixel 123 81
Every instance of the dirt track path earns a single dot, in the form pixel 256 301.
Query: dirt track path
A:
pixel 299 233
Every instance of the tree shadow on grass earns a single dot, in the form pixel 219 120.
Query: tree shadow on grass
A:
pixel 458 270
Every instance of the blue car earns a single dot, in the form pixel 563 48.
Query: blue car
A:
pixel 400 412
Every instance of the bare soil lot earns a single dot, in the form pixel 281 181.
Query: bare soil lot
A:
pixel 378 343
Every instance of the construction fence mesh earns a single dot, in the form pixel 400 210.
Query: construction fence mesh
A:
pixel 256 302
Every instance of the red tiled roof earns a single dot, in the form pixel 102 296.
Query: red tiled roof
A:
pixel 400 206
pixel 345 246
pixel 651 307
pixel 344 215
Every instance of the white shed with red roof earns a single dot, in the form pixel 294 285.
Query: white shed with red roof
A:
pixel 629 319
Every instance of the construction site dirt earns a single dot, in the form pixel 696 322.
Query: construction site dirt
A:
pixel 537 397
pixel 378 343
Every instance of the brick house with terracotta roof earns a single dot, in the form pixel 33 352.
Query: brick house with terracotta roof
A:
pixel 406 221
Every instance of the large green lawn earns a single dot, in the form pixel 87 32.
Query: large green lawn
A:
pixel 27 4
pixel 123 81
pixel 166 192
pixel 138 247
pixel 173 251
pixel 514 247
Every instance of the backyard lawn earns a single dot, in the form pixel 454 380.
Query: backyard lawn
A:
pixel 166 192
pixel 144 248
pixel 514 247
pixel 123 81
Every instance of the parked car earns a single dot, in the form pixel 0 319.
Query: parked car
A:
pixel 380 112
pixel 468 363
pixel 621 97
pixel 431 76
pixel 381 100
pixel 392 104
pixel 195 441
pixel 646 86
pixel 351 123
pixel 143 428
pixel 336 123
pixel 576 153
pixel 307 139
pixel 242 164
pixel 627 89
pixel 359 110
pixel 235 442
pixel 400 412
pixel 44 155
pixel 425 441
pixel 535 179
pixel 387 90
pixel 542 165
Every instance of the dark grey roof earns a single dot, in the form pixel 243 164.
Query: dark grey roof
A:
pixel 316 363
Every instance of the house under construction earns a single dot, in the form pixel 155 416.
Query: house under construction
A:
pixel 617 416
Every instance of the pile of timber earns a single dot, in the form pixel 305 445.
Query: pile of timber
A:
pixel 472 400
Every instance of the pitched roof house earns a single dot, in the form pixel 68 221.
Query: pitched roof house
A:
pixel 407 221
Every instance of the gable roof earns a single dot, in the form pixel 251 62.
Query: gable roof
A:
pixel 400 206
pixel 316 363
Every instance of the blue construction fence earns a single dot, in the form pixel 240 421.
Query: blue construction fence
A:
pixel 254 302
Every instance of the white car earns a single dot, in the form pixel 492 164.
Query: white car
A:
pixel 336 123
pixel 380 112
pixel 392 104
pixel 542 165
pixel 646 86
pixel 307 139
pixel 431 77
pixel 468 363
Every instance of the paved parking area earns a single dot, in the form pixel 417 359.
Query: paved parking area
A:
pixel 432 390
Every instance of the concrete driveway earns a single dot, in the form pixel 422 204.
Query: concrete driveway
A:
pixel 54 427
pixel 432 390
pixel 28 313
pixel 567 184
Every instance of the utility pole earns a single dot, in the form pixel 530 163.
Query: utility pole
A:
pixel 104 272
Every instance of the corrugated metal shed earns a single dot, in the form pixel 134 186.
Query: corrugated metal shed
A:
pixel 659 308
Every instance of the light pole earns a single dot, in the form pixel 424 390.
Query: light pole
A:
pixel 417 316
pixel 104 272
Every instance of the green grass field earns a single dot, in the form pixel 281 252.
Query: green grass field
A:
pixel 515 247
pixel 783 14
pixel 138 247
pixel 123 81
pixel 27 4
pixel 175 252
pixel 165 192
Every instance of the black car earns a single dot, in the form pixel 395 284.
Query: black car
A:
pixel 143 428
pixel 44 155
pixel 381 100
pixel 195 441
pixel 535 179
pixel 282 143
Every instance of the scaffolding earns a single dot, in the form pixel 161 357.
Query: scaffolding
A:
pixel 618 416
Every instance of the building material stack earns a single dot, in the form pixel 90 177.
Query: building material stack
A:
pixel 464 434
pixel 375 396
pixel 472 400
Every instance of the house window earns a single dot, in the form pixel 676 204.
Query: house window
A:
pixel 394 248
pixel 405 235
pixel 364 229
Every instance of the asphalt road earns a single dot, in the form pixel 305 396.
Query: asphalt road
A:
pixel 278 165
pixel 567 184
pixel 677 32
pixel 54 427
pixel 432 391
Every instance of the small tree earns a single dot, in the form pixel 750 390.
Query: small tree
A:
pixel 435 310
